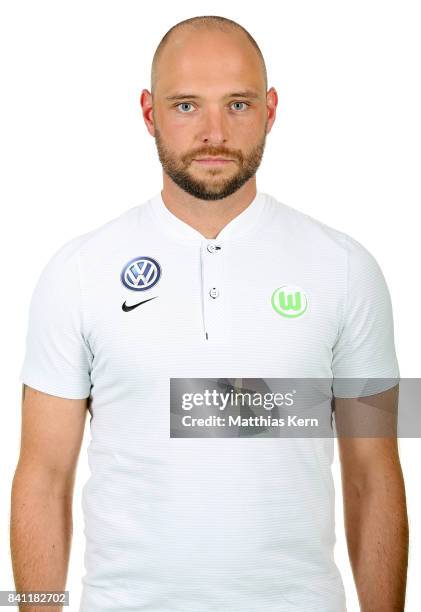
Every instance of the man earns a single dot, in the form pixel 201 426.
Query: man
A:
pixel 208 278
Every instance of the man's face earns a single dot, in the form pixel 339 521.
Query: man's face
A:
pixel 206 68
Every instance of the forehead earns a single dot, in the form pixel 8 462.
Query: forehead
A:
pixel 209 60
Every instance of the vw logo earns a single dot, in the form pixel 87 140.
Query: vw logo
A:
pixel 141 273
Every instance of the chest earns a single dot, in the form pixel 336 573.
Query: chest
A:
pixel 241 309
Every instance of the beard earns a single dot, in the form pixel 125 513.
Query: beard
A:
pixel 217 186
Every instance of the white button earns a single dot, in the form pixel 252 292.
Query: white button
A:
pixel 211 248
pixel 214 292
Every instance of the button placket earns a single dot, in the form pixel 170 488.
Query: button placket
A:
pixel 212 291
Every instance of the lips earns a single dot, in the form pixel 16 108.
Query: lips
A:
pixel 212 159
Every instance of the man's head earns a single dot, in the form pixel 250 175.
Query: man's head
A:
pixel 225 110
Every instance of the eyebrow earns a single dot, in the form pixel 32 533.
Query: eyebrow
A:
pixel 247 93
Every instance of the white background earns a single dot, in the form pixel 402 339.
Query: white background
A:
pixel 345 148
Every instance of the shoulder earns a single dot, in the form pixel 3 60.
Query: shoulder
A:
pixel 310 234
pixel 97 240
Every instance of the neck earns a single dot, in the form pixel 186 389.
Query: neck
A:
pixel 207 216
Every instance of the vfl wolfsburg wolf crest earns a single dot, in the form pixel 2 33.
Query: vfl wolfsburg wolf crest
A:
pixel 289 301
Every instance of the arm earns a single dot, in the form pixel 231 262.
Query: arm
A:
pixel 375 512
pixel 42 491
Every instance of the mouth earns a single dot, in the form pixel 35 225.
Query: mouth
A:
pixel 218 161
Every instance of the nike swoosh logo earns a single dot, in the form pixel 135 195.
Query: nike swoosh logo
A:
pixel 133 306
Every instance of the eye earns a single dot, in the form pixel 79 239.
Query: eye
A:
pixel 183 104
pixel 241 103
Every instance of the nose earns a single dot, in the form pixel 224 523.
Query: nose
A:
pixel 213 129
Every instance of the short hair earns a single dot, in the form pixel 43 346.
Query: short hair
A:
pixel 204 22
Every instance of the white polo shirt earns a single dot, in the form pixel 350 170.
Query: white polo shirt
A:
pixel 221 524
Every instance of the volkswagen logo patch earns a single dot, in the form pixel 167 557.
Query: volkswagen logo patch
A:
pixel 141 273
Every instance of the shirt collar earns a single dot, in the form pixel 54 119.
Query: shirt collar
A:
pixel 241 224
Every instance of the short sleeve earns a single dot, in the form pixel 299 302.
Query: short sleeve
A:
pixel 364 351
pixel 57 358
